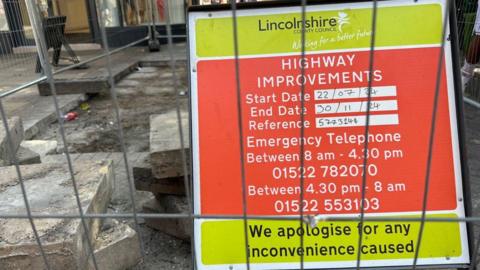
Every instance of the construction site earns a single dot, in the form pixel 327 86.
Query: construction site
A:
pixel 97 169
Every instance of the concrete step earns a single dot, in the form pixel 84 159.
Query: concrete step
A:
pixel 94 78
pixel 165 149
pixel 49 189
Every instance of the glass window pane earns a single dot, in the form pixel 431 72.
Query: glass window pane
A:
pixel 111 13
pixel 137 12
pixel 3 19
pixel 176 10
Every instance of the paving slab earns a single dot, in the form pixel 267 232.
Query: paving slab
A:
pixel 41 147
pixel 145 181
pixel 117 247
pixel 26 156
pixel 15 127
pixel 49 189
pixel 177 227
pixel 165 149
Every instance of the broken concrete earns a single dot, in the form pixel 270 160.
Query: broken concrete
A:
pixel 165 149
pixel 15 127
pixel 50 191
pixel 26 156
pixel 117 247
pixel 41 147
pixel 145 181
pixel 179 227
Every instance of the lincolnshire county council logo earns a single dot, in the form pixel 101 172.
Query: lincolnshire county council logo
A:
pixel 342 19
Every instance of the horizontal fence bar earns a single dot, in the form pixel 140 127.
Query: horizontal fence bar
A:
pixel 471 102
pixel 22 87
pixel 173 36
pixel 241 217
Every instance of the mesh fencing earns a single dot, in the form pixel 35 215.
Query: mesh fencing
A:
pixel 30 53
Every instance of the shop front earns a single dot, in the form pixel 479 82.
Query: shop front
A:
pixel 126 20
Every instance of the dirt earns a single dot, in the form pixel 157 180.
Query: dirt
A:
pixel 148 91
pixel 141 94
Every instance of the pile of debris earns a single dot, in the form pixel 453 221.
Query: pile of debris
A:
pixel 162 173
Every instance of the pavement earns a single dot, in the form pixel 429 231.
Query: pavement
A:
pixel 19 69
pixel 472 125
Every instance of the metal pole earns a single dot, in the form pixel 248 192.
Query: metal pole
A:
pixel 153 43
pixel 113 94
pixel 47 69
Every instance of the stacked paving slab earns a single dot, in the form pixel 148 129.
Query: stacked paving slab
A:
pixel 49 189
pixel 162 173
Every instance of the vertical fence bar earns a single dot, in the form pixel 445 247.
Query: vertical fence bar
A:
pixel 367 130
pixel 303 11
pixel 233 6
pixel 176 92
pixel 116 106
pixel 37 28
pixel 432 133
pixel 153 44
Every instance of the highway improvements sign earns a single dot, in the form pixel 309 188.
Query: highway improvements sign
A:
pixel 407 49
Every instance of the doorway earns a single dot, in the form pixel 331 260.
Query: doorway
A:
pixel 77 28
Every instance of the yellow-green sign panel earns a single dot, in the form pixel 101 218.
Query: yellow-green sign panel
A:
pixel 326 30
pixel 223 242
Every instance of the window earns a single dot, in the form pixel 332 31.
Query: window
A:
pixel 3 19
pixel 111 13
pixel 137 12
